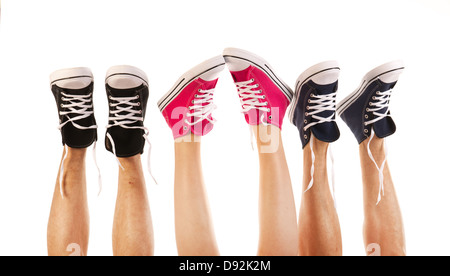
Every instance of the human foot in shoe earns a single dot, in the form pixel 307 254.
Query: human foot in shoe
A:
pixel 314 106
pixel 264 96
pixel 188 106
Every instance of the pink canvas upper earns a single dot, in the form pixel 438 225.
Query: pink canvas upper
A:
pixel 277 101
pixel 176 112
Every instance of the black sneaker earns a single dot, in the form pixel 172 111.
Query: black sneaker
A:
pixel 367 109
pixel 314 106
pixel 127 91
pixel 73 89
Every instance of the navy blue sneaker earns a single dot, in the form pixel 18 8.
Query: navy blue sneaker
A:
pixel 367 109
pixel 314 105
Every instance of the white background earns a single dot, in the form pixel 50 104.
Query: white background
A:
pixel 166 38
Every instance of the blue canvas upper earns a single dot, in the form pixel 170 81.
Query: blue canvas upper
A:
pixel 327 131
pixel 356 114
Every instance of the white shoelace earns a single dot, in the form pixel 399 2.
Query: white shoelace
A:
pixel 202 107
pixel 382 102
pixel 321 103
pixel 333 178
pixel 250 99
pixel 80 105
pixel 132 116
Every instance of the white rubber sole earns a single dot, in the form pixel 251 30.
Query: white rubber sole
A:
pixel 395 67
pixel 209 69
pixel 125 77
pixel 314 73
pixel 233 53
pixel 72 78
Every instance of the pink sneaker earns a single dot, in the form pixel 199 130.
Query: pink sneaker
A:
pixel 264 96
pixel 188 106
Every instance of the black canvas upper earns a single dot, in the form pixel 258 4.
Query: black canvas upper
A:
pixel 326 132
pixel 128 142
pixel 72 136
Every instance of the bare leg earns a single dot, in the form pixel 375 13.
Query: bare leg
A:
pixel 383 226
pixel 320 232
pixel 68 225
pixel 277 215
pixel 193 224
pixel 133 229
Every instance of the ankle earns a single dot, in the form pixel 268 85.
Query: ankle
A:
pixel 376 146
pixel 74 154
pixel 268 138
pixel 320 148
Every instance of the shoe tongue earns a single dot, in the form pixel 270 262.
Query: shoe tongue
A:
pixel 83 91
pixel 383 87
pixel 244 75
pixel 208 85
pixel 204 127
pixel 386 126
pixel 325 89
pixel 328 131
pixel 124 93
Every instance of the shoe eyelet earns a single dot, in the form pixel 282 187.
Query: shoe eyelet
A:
pixel 307 108
pixel 253 80
pixel 305 122
pixel 366 131
pixel 270 117
pixel 306 137
pixel 374 98
pixel 309 100
pixel 367 110
pixel 62 105
pixel 304 129
pixel 110 97
pixel 139 104
pixel 137 97
pixel 366 116
pixel 185 128
pixel 306 114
